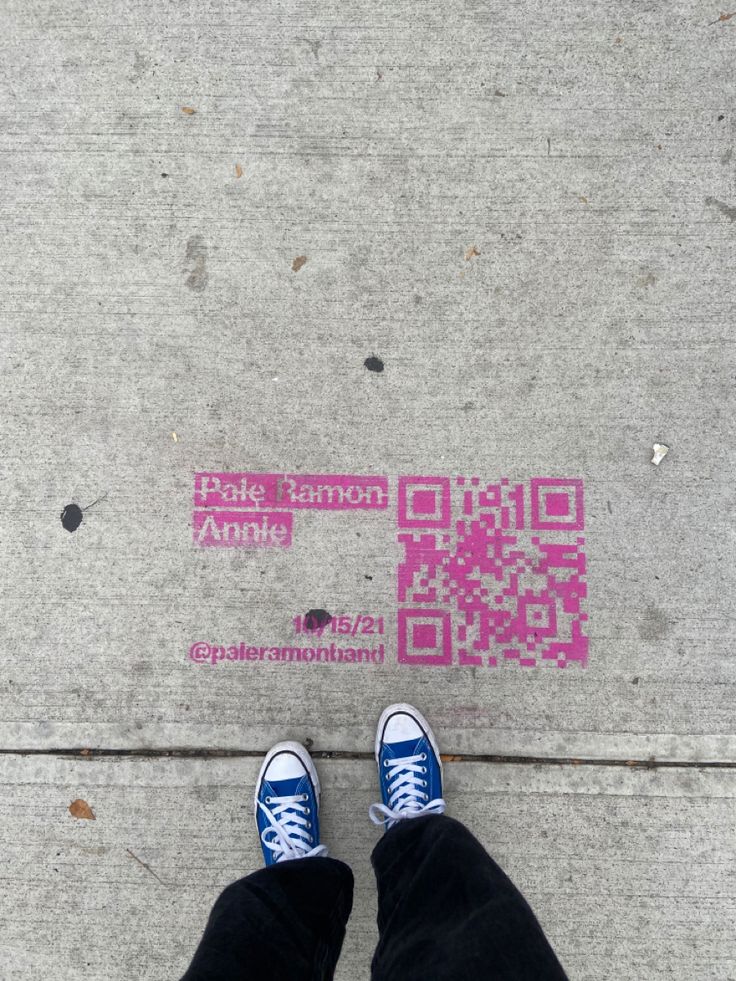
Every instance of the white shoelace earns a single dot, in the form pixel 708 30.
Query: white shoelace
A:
pixel 289 831
pixel 408 797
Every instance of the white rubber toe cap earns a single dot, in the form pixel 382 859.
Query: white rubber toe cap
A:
pixel 287 761
pixel 401 723
pixel 400 728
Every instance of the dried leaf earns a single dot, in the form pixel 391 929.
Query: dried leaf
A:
pixel 188 111
pixel 238 170
pixel 583 198
pixel 298 263
pixel 80 809
pixel 727 16
pixel 469 253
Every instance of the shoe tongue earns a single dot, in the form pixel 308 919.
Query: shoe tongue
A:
pixel 285 788
pixel 401 750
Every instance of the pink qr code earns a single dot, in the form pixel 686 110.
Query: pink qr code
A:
pixel 492 573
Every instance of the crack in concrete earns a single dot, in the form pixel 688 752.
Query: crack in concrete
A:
pixel 86 753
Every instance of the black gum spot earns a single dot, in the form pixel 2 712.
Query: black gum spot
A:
pixel 315 619
pixel 373 364
pixel 71 517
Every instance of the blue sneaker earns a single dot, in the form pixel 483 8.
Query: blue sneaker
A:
pixel 287 805
pixel 409 767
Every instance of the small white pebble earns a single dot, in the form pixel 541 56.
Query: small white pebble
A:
pixel 660 452
pixel 175 437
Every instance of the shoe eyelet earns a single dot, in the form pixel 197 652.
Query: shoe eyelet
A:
pixel 424 769
pixel 267 800
pixel 309 824
pixel 386 763
pixel 423 756
pixel 307 811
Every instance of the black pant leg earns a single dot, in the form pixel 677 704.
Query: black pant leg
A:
pixel 447 912
pixel 282 923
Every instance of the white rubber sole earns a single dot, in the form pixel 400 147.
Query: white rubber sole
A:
pixel 298 750
pixel 415 714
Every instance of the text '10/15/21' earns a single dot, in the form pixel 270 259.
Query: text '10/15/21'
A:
pixel 353 625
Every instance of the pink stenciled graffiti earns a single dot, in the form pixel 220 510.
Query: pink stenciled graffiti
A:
pixel 492 573
pixel 227 506
pixel 233 529
pixel 327 492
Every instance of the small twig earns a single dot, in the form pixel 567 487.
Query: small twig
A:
pixel 145 866
pixel 95 502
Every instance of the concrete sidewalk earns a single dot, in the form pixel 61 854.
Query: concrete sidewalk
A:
pixel 362 256
pixel 630 872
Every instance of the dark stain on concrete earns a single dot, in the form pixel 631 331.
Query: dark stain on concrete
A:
pixel 139 67
pixel 653 625
pixel 314 46
pixel 726 209
pixel 374 364
pixel 196 255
